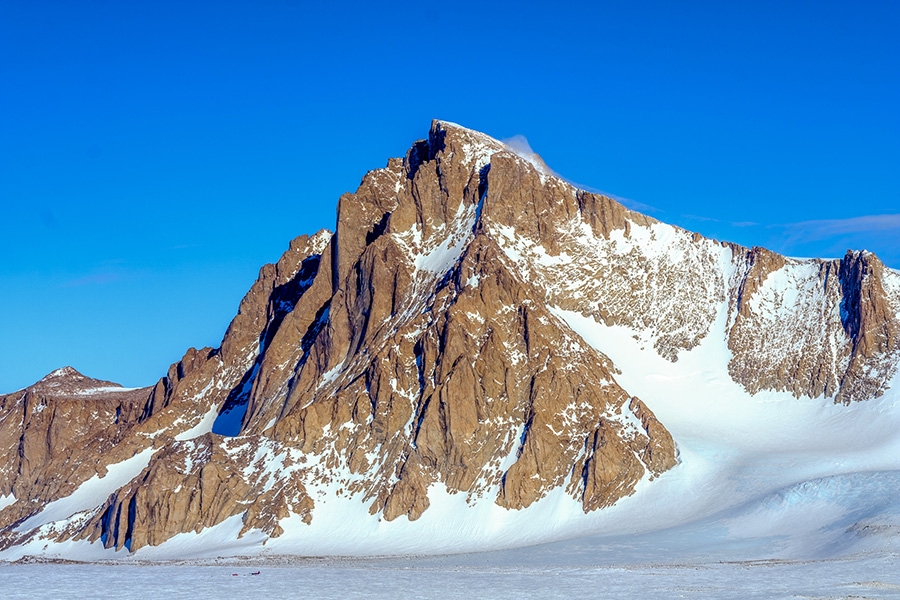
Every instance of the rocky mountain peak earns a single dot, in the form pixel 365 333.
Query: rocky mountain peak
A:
pixel 458 335
pixel 63 373
pixel 68 381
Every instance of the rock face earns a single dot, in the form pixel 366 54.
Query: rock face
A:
pixel 846 351
pixel 424 345
pixel 44 429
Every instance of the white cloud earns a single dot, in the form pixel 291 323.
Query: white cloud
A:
pixel 808 231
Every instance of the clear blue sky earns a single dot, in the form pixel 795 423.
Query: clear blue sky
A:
pixel 154 155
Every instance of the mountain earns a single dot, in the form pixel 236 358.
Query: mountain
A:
pixel 482 355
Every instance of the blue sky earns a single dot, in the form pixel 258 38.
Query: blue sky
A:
pixel 154 155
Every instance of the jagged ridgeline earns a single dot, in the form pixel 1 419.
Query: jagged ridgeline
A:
pixel 423 357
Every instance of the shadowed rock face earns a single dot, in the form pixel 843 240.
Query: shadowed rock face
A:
pixel 422 344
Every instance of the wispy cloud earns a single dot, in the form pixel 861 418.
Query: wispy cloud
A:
pixel 702 219
pixel 94 279
pixel 519 144
pixel 810 231
pixel 627 202
pixel 714 220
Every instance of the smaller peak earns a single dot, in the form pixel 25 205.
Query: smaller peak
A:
pixel 68 373
pixel 68 382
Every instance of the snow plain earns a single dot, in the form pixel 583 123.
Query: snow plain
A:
pixel 473 576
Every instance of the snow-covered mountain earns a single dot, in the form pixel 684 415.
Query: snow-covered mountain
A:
pixel 481 356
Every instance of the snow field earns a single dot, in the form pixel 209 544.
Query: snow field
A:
pixel 460 577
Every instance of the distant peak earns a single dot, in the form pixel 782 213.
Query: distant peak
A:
pixel 67 381
pixel 67 373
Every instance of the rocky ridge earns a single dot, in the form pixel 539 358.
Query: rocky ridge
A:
pixel 424 343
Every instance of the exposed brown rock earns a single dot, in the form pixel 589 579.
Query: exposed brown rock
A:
pixel 759 263
pixel 871 322
pixel 57 434
pixel 610 471
pixel 659 453
pixel 582 252
pixel 196 484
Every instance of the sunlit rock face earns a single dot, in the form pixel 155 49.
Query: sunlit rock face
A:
pixel 424 346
